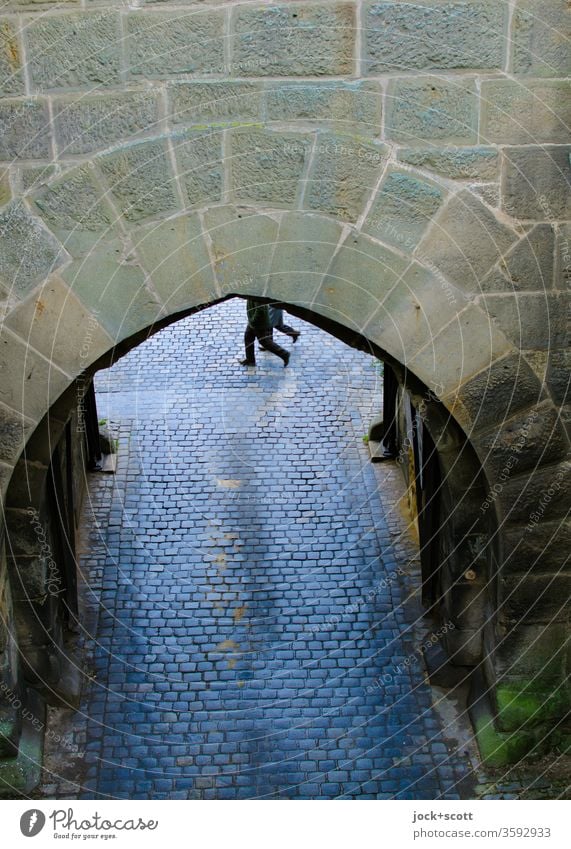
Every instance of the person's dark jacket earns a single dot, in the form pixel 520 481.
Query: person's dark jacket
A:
pixel 258 316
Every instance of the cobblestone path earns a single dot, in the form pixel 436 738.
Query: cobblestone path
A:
pixel 251 572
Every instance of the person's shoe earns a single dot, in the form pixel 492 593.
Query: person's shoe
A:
pixel 296 336
pixel 247 362
pixel 286 359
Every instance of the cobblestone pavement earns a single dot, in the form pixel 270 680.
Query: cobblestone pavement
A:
pixel 250 581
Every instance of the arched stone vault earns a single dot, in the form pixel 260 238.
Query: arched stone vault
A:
pixel 420 212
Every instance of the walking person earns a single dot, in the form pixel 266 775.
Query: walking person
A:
pixel 277 321
pixel 260 328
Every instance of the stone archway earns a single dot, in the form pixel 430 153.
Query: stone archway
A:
pixel 422 212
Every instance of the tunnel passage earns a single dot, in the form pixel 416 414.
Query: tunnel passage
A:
pixel 422 209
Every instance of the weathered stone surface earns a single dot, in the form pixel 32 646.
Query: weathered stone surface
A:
pixel 468 163
pixel 35 176
pixel 62 328
pixel 141 180
pixel 350 106
pixel 74 50
pixel 168 43
pixel 496 394
pixel 5 188
pixel 175 256
pixel 200 165
pixel 242 245
pixel 112 285
pixel 531 320
pixel 563 265
pixel 306 243
pixel 415 311
pixel 345 172
pixel 540 37
pixel 520 443
pixel 537 182
pixel 489 192
pixel 432 109
pixel 29 253
pixel 359 278
pixel 11 73
pixel 29 383
pixel 403 209
pixel 528 266
pixel 313 39
pixel 24 130
pixel 74 208
pixel 544 494
pixel 90 123
pixel 525 112
pixel 434 35
pixel 471 331
pixel 466 241
pixel 559 375
pixel 266 166
pixel 14 431
pixel 224 101
pixel 533 598
pixel 537 548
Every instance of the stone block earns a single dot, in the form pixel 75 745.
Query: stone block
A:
pixel 403 208
pixel 242 245
pixel 558 371
pixel 24 130
pixel 311 39
pixel 29 382
pixel 75 209
pixel 438 363
pixel 141 180
pixel 563 264
pixel 540 38
pixel 532 598
pixel 221 101
pixel 522 442
pixel 466 241
pixel 531 651
pixel 112 286
pixel 36 176
pixel 267 167
pixel 5 188
pixel 416 310
pixel 350 106
pixel 74 50
pixel 361 274
pixel 306 243
pixel 29 253
pixel 93 123
pixel 434 35
pixel 530 320
pixel 344 174
pixel 14 432
pixel 528 266
pixel 537 182
pixel 175 256
pixel 468 163
pixel 200 165
pixel 525 112
pixel 11 70
pixel 60 327
pixel 503 388
pixel 163 44
pixel 432 109
pixel 537 497
pixel 539 548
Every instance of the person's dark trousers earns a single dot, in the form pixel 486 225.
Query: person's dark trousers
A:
pixel 289 331
pixel 266 342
